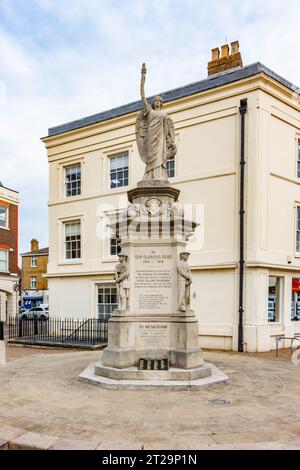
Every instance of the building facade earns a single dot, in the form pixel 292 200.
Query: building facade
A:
pixel 94 161
pixel 34 280
pixel 9 203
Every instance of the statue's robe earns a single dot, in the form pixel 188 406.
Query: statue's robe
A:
pixel 156 142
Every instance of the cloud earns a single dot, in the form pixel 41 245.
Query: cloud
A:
pixel 64 60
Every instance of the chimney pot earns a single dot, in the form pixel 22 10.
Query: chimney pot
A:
pixel 34 244
pixel 215 53
pixel 224 51
pixel 234 47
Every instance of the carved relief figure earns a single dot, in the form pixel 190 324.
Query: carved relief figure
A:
pixel 155 136
pixel 122 280
pixel 184 282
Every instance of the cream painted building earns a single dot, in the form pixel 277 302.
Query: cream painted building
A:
pixel 94 161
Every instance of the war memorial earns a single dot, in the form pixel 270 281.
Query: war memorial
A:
pixel 153 335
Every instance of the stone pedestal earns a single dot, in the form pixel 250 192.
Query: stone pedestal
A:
pixel 153 233
pixel 154 325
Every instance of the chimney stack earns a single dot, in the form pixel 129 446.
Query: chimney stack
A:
pixel 224 51
pixel 34 244
pixel 226 61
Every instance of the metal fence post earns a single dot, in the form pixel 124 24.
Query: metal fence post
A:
pixel 20 328
pixel 35 331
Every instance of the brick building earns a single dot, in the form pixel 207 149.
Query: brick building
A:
pixel 9 202
pixel 34 283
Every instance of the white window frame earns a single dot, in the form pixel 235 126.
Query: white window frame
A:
pixel 297 159
pixel 172 160
pixel 107 217
pixel 61 260
pixel 33 282
pixel 110 283
pixel 65 223
pixel 116 154
pixel 7 260
pixel 33 261
pixel 297 208
pixel 65 168
pixel 116 246
pixel 6 227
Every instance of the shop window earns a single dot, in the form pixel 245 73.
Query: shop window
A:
pixel 274 299
pixel 295 307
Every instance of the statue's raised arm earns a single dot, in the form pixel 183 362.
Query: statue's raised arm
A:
pixel 155 135
pixel 143 79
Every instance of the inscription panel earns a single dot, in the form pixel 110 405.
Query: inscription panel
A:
pixel 154 280
pixel 154 334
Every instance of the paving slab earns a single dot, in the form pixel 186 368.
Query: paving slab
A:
pixel 43 405
pixel 3 444
pixel 120 446
pixel 73 444
pixel 32 441
pixel 10 432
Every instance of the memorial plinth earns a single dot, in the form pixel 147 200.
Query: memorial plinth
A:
pixel 153 233
pixel 154 320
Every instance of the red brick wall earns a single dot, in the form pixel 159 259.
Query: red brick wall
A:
pixel 9 238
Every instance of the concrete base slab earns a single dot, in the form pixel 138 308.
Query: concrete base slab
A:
pixel 133 373
pixel 215 376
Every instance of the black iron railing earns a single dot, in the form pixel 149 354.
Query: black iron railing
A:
pixel 56 330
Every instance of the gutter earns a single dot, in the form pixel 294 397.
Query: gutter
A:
pixel 242 110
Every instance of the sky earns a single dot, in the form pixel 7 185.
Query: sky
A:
pixel 63 60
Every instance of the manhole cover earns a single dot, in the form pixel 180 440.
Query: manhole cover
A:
pixel 218 401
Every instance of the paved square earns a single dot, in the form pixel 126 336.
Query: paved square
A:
pixel 40 394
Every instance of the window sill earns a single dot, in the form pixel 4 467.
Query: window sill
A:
pixel 120 188
pixel 77 196
pixel 112 259
pixel 67 263
pixel 4 228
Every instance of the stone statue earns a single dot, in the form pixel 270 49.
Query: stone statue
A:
pixel 122 280
pixel 155 136
pixel 184 282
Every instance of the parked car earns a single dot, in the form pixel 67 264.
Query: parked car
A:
pixel 39 313
pixel 22 310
